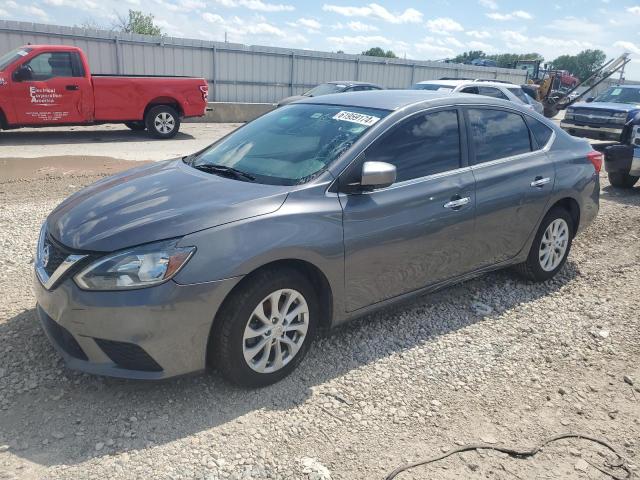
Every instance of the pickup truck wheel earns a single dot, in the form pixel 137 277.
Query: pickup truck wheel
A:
pixel 622 180
pixel 263 330
pixel 550 247
pixel 136 126
pixel 162 121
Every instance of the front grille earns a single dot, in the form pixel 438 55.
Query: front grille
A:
pixel 582 115
pixel 128 355
pixel 61 336
pixel 57 255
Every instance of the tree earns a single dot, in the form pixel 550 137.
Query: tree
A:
pixel 508 60
pixel 468 57
pixel 138 22
pixel 379 52
pixel 581 65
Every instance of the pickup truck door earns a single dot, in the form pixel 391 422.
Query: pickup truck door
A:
pixel 55 90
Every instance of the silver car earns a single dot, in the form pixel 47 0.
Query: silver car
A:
pixel 311 215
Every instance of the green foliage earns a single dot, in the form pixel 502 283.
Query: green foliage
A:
pixel 504 60
pixel 138 22
pixel 581 65
pixel 379 52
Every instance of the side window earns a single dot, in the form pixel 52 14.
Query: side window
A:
pixel 492 92
pixel 51 65
pixel 540 131
pixel 497 134
pixel 473 90
pixel 422 145
pixel 520 94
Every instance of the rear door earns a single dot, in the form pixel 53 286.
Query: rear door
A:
pixel 418 231
pixel 58 90
pixel 514 180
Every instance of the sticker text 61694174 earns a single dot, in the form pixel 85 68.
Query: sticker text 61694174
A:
pixel 355 117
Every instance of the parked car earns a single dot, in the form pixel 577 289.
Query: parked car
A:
pixel 567 80
pixel 44 85
pixel 484 62
pixel 502 90
pixel 613 115
pixel 327 88
pixel 311 215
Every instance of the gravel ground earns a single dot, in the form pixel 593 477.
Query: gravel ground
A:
pixel 495 360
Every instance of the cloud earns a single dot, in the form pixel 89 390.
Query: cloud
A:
pixel 444 25
pixel 490 4
pixel 635 10
pixel 627 46
pixel 257 5
pixel 432 47
pixel 479 34
pixel 476 45
pixel 518 14
pixel 361 27
pixel 513 38
pixel 373 10
pixel 212 17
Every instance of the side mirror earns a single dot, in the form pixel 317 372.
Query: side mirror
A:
pixel 22 74
pixel 590 99
pixel 377 175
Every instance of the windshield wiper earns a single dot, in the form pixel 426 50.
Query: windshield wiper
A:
pixel 224 170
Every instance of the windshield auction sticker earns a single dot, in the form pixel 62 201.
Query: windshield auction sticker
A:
pixel 354 117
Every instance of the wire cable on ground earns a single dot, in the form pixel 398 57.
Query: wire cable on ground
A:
pixel 620 463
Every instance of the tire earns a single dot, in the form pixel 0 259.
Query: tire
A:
pixel 535 268
pixel 622 180
pixel 136 126
pixel 162 121
pixel 229 347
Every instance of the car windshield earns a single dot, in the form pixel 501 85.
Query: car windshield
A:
pixel 433 86
pixel 620 95
pixel 325 89
pixel 8 58
pixel 289 145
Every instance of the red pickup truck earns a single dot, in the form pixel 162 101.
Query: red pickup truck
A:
pixel 44 85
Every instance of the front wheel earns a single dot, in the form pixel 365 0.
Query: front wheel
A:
pixel 550 247
pixel 162 121
pixel 622 180
pixel 264 329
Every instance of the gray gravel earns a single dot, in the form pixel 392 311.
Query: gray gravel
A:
pixel 495 359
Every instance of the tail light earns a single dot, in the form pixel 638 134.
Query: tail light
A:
pixel 596 158
pixel 205 92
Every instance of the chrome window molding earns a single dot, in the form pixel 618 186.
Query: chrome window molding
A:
pixel 49 281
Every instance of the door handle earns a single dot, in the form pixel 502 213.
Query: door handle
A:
pixel 457 203
pixel 540 182
pixel 72 87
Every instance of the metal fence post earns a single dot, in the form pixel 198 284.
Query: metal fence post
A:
pixel 413 74
pixel 291 73
pixel 215 73
pixel 118 67
pixel 357 68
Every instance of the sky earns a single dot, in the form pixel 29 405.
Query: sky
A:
pixel 423 30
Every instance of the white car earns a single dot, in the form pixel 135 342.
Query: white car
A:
pixel 505 91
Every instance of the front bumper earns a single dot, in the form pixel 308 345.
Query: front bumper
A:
pixel 592 132
pixel 151 333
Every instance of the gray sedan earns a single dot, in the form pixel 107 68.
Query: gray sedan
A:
pixel 311 215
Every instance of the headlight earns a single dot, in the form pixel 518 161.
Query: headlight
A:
pixel 570 111
pixel 620 115
pixel 138 267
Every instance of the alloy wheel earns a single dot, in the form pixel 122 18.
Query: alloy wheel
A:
pixel 164 122
pixel 553 245
pixel 275 331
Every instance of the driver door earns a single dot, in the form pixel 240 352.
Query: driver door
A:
pixel 55 92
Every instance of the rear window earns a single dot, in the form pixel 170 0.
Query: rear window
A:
pixel 540 131
pixel 433 87
pixel 497 134
pixel 520 94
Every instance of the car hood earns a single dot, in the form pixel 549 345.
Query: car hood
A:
pixel 617 107
pixel 156 202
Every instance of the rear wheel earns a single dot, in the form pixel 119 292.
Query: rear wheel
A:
pixel 264 329
pixel 136 126
pixel 622 180
pixel 162 121
pixel 550 247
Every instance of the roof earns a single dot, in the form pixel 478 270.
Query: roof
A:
pixel 350 82
pixel 396 99
pixel 455 83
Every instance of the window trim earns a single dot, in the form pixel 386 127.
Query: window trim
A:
pixel 464 152
pixel 471 146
